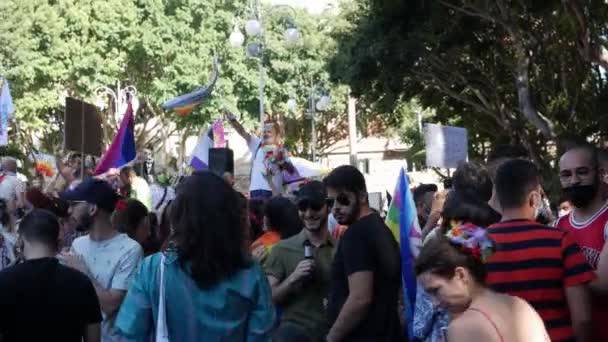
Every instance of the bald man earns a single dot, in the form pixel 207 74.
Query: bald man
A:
pixel 581 178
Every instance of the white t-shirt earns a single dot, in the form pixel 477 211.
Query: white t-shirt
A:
pixel 258 180
pixel 113 264
pixel 10 186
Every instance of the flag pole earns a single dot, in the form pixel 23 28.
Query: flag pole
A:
pixel 82 155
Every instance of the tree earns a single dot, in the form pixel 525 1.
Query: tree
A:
pixel 509 71
pixel 51 50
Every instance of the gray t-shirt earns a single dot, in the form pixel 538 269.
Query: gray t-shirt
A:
pixel 113 264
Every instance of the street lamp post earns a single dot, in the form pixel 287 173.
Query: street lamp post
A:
pixel 316 90
pixel 119 98
pixel 254 28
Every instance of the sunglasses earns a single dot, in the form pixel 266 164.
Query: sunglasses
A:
pixel 342 199
pixel 305 204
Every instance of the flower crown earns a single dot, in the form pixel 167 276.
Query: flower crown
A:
pixel 473 240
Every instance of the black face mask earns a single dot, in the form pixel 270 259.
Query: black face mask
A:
pixel 581 195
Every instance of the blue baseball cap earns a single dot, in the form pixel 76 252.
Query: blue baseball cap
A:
pixel 94 191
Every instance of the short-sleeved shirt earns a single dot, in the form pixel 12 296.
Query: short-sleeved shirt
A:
pixel 591 236
pixel 369 246
pixel 306 308
pixel 10 185
pixel 41 300
pixel 537 263
pixel 113 264
pixel 237 308
pixel 258 181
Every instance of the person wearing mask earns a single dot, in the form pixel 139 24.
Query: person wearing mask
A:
pixel 580 177
pixel 41 299
pixel 602 155
pixel 109 257
pixel 281 221
pixel 298 270
pixel 135 187
pixel 266 171
pixel 211 289
pixel 498 156
pixel 366 271
pixel 451 268
pixel 131 217
pixel 537 263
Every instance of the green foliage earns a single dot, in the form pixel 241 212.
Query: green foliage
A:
pixel 503 69
pixel 53 49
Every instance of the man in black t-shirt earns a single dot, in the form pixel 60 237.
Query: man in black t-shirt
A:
pixel 41 300
pixel 366 272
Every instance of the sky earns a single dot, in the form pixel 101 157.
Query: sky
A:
pixel 313 6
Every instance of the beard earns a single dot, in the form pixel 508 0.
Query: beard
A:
pixel 84 224
pixel 582 195
pixel 352 215
pixel 322 223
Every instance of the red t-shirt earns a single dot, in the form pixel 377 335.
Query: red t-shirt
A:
pixel 591 237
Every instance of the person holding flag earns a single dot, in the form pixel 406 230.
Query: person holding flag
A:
pixel 270 159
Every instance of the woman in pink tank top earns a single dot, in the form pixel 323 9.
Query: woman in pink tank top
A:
pixel 451 269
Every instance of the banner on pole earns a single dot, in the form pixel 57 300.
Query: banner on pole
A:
pixel 82 129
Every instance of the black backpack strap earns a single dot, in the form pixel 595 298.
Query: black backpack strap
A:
pixel 162 200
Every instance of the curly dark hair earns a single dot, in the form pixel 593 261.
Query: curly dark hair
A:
pixel 467 209
pixel 207 219
pixel 473 180
pixel 127 219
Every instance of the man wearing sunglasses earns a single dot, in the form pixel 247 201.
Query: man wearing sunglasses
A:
pixel 300 282
pixel 365 275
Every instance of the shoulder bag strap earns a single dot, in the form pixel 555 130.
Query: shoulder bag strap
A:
pixel 162 334
pixel 162 200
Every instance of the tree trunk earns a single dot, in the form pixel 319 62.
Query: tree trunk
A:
pixel 522 83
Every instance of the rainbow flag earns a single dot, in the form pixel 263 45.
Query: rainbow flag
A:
pixel 184 104
pixel 122 150
pixel 402 220
pixel 44 164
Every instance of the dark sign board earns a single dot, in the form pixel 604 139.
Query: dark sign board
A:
pixel 83 132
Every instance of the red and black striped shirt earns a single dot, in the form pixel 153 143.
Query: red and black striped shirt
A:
pixel 536 263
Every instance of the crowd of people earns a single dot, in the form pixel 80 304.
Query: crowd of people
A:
pixel 120 258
